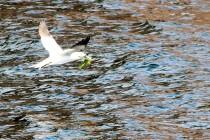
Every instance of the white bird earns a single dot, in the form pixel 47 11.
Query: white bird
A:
pixel 57 55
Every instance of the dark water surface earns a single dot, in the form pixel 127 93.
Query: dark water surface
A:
pixel 150 78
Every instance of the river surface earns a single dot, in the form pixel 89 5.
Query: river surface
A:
pixel 150 78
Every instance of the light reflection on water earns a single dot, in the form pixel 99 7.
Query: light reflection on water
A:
pixel 149 80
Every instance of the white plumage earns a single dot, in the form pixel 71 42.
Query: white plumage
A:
pixel 57 55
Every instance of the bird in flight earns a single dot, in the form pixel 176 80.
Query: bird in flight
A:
pixel 57 55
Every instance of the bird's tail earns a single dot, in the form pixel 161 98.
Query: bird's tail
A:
pixel 41 64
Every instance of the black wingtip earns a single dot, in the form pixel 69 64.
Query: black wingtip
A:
pixel 82 42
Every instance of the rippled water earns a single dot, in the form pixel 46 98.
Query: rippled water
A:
pixel 149 79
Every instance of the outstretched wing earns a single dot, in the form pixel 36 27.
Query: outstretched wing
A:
pixel 48 41
pixel 81 44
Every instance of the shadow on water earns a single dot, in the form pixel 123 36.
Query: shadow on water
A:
pixel 149 78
